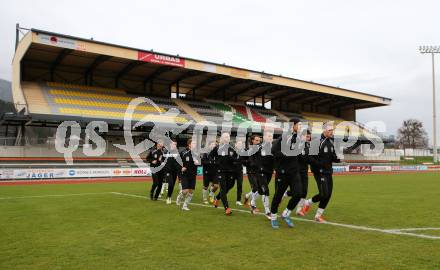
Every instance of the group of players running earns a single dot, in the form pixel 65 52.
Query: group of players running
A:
pixel 223 167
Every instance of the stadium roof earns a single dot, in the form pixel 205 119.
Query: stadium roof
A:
pixel 138 70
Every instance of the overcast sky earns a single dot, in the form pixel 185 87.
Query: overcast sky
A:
pixel 368 46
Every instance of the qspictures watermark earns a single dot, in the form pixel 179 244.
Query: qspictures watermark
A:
pixel 163 124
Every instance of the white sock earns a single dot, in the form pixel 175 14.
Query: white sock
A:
pixel 286 213
pixel 254 198
pixel 319 212
pixel 179 196
pixel 188 198
pixel 211 191
pixel 265 200
pixel 273 216
pixel 300 205
pixel 183 199
pixel 308 202
pixel 205 194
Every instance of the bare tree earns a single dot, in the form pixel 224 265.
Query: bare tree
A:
pixel 412 135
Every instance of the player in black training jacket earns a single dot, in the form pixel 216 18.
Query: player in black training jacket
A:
pixel 304 161
pixel 322 167
pixel 209 172
pixel 155 158
pixel 237 173
pixel 263 162
pixel 190 160
pixel 287 175
pixel 251 170
pixel 224 156
pixel 171 169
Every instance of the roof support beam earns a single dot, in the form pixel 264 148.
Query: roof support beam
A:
pixel 125 70
pixel 58 60
pixel 186 75
pixel 262 95
pixel 360 105
pixel 247 88
pixel 313 100
pixel 343 104
pixel 209 80
pixel 283 92
pixel 89 71
pixel 223 88
pixel 330 100
pixel 156 73
pixel 309 99
pixel 177 90
pixel 295 96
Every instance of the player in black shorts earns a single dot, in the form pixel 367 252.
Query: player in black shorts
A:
pixel 155 159
pixel 303 161
pixel 251 170
pixel 209 172
pixel 287 174
pixel 224 156
pixel 171 168
pixel 237 173
pixel 264 162
pixel 322 167
pixel 190 161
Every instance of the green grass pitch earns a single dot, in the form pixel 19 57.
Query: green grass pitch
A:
pixel 97 229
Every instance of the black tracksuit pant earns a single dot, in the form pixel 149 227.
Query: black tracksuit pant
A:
pixel 252 181
pixel 238 177
pixel 325 187
pixel 304 184
pixel 157 184
pixel 208 177
pixel 170 177
pixel 226 183
pixel 290 180
pixel 262 181
pixel 304 177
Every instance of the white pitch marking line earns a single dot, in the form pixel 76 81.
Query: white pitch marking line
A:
pixel 356 227
pixel 415 229
pixel 427 236
pixel 54 195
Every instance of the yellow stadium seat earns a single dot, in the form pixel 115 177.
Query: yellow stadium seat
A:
pixel 108 105
pixel 118 115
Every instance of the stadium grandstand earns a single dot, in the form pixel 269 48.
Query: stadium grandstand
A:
pixel 58 77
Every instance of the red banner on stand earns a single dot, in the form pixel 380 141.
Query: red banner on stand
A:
pixel 161 59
